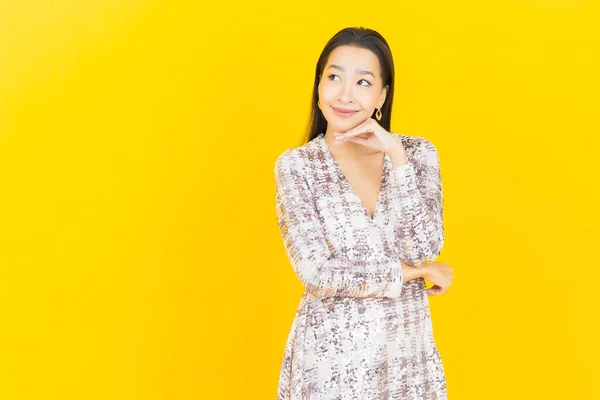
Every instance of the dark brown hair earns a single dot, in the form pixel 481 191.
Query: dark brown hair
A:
pixel 363 38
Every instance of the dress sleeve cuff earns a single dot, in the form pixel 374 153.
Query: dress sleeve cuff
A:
pixel 405 178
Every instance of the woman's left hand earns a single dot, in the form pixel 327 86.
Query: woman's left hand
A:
pixel 378 138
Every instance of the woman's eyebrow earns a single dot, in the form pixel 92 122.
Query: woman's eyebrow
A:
pixel 360 71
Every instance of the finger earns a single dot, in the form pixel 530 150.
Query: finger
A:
pixel 441 290
pixel 357 139
pixel 341 139
pixel 434 290
pixel 355 132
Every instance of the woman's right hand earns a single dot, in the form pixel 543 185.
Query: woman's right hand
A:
pixel 441 275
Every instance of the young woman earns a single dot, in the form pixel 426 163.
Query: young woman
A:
pixel 360 211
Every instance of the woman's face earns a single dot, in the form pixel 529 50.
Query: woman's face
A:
pixel 351 80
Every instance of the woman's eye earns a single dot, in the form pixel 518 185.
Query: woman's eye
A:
pixel 368 83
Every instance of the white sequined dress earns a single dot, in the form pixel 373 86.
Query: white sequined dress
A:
pixel 359 332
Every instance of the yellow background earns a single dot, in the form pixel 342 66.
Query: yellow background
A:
pixel 139 252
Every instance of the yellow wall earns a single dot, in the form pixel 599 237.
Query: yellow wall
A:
pixel 139 252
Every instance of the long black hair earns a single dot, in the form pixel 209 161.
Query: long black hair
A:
pixel 363 38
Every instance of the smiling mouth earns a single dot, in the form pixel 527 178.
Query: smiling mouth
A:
pixel 344 113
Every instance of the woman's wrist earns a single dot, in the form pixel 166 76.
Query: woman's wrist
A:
pixel 425 271
pixel 410 273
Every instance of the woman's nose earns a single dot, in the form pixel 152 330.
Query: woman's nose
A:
pixel 347 94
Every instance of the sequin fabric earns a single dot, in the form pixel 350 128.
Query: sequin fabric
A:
pixel 359 332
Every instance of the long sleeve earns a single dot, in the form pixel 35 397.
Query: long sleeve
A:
pixel 418 204
pixel 307 248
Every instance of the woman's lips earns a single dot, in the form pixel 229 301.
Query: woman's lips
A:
pixel 343 113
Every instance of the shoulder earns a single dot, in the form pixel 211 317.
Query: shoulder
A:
pixel 285 156
pixel 289 162
pixel 298 158
pixel 284 161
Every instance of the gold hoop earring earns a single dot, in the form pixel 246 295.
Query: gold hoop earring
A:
pixel 319 104
pixel 378 114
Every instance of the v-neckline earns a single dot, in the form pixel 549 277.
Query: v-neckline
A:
pixel 382 183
